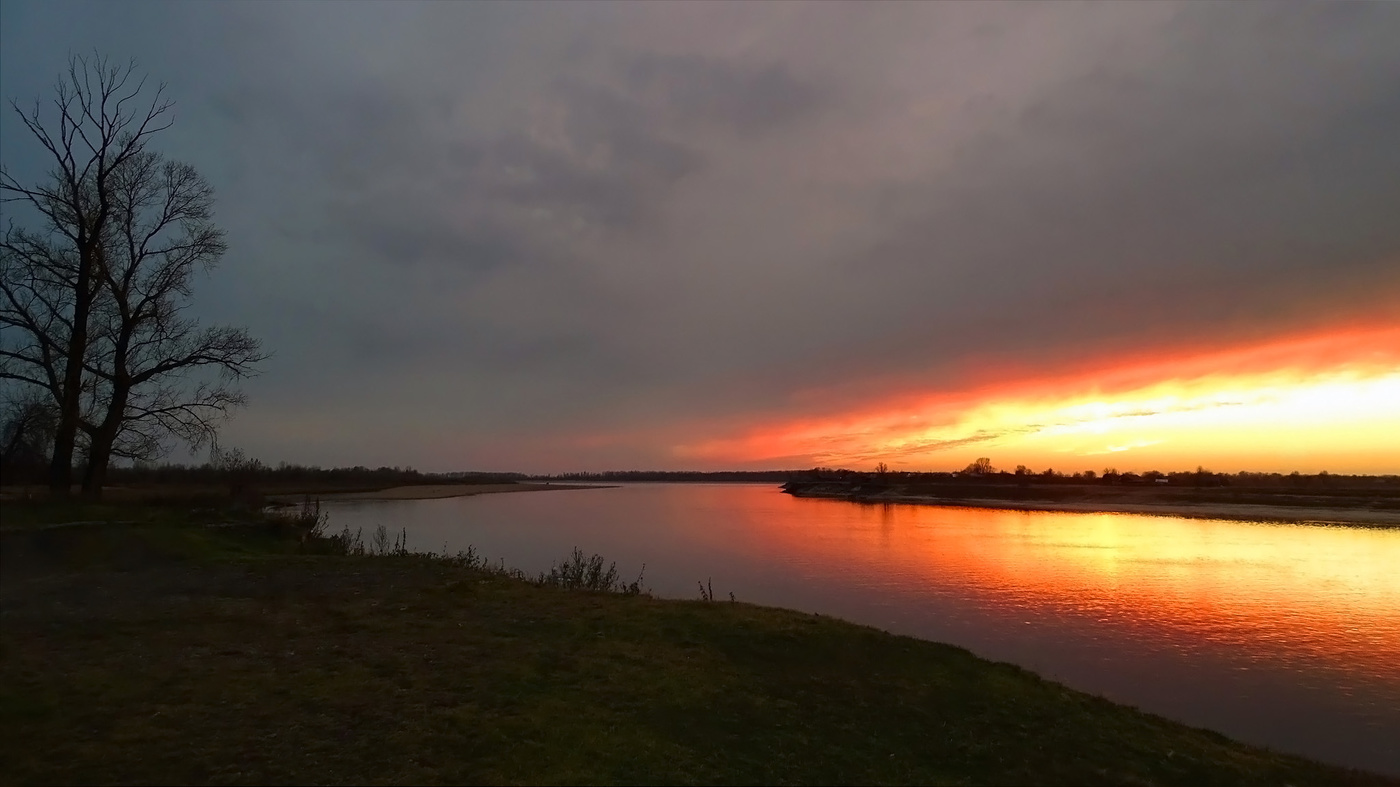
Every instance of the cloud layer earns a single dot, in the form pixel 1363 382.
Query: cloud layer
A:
pixel 554 237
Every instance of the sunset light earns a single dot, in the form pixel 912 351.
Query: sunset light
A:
pixel 1328 402
pixel 1023 379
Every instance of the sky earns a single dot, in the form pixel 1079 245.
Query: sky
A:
pixel 587 236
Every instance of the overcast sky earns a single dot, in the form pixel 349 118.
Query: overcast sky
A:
pixel 549 237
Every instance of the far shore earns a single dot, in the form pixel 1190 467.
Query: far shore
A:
pixel 1318 508
pixel 434 491
pixel 1242 511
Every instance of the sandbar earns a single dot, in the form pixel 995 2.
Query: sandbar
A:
pixel 435 491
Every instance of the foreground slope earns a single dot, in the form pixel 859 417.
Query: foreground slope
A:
pixel 165 653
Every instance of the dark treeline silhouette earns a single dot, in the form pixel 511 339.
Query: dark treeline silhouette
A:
pixel 681 476
pixel 982 472
pixel 1023 476
pixel 980 482
pixel 25 465
pixel 290 475
pixel 24 461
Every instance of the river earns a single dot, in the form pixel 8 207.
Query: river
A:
pixel 1282 635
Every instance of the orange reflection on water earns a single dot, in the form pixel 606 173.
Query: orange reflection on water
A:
pixel 1282 635
pixel 1326 596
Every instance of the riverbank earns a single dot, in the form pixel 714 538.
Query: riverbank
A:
pixel 1369 510
pixel 436 491
pixel 172 652
pixel 27 507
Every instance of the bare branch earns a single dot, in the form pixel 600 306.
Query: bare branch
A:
pixel 92 302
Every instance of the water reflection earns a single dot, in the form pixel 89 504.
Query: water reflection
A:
pixel 1282 635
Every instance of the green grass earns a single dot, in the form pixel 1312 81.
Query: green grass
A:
pixel 162 653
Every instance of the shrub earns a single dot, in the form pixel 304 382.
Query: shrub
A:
pixel 577 572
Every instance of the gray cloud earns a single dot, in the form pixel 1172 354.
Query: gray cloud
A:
pixel 526 225
pixel 748 99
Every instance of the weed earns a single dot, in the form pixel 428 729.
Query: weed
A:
pixel 311 519
pixel 707 591
pixel 635 587
pixel 347 543
pixel 577 572
pixel 380 543
pixel 473 560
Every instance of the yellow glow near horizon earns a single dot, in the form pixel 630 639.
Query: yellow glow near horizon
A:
pixel 1338 411
pixel 1339 422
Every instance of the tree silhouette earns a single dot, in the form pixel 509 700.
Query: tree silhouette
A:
pixel 26 436
pixel 983 466
pixel 92 302
pixel 151 356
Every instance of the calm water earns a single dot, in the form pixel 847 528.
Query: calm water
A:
pixel 1282 635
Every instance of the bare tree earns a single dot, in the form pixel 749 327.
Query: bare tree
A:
pixel 158 371
pixel 97 122
pixel 26 436
pixel 97 302
pixel 983 466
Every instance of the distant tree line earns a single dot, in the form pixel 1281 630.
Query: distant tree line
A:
pixel 680 476
pixel 232 467
pixel 982 471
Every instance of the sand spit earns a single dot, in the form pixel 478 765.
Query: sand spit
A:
pixel 435 491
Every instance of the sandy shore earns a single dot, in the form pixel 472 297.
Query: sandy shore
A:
pixel 435 491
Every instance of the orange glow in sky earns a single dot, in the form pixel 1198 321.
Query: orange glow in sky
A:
pixel 1321 402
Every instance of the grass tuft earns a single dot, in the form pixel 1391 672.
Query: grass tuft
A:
pixel 577 572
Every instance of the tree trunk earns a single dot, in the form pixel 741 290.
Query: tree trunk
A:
pixel 103 437
pixel 96 473
pixel 70 409
pixel 61 468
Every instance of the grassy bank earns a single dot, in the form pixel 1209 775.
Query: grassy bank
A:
pixel 169 652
